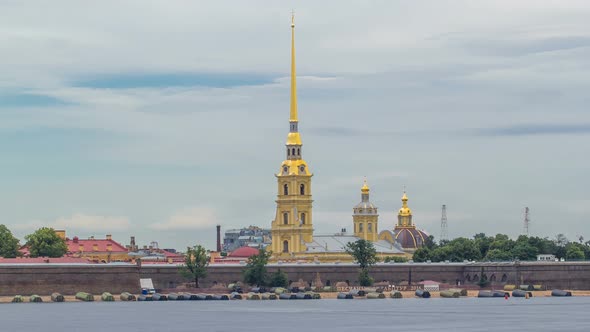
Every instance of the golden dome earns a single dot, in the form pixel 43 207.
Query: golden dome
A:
pixel 405 210
pixel 365 188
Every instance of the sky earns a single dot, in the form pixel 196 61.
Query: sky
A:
pixel 161 119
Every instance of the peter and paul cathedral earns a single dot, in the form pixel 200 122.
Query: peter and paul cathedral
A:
pixel 292 230
pixel 293 223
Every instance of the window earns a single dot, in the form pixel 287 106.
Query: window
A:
pixel 302 189
pixel 298 152
pixel 285 246
pixel 303 218
pixel 285 189
pixel 285 218
pixel 360 227
pixel 293 151
pixel 288 152
pixel 370 227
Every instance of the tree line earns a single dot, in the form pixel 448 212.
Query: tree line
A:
pixel 43 242
pixel 501 248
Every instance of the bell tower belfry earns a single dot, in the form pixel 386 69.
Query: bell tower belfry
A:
pixel 292 226
pixel 365 217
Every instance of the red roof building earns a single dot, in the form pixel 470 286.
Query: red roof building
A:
pixel 98 250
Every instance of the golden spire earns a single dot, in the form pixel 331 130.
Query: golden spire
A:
pixel 293 138
pixel 365 188
pixel 405 210
pixel 293 117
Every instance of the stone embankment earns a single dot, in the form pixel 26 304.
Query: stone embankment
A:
pixel 324 295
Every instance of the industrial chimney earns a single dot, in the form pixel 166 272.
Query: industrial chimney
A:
pixel 218 238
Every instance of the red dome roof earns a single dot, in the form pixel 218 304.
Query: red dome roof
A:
pixel 244 252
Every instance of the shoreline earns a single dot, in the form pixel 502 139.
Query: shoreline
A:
pixel 324 295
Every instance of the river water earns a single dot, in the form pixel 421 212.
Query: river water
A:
pixel 464 314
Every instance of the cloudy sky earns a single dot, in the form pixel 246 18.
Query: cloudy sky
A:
pixel 161 119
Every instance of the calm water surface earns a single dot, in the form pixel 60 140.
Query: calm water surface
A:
pixel 466 314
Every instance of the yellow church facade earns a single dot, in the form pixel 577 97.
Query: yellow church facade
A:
pixel 292 229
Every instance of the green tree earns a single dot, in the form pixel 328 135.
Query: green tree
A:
pixel 497 255
pixel 574 254
pixel 560 246
pixel 255 271
pixel 365 279
pixel 395 259
pixel 441 254
pixel 195 265
pixel 422 255
pixel 429 242
pixel 483 243
pixel 524 251
pixel 44 242
pixel 483 280
pixel 463 249
pixel 364 254
pixel 8 243
pixel 279 279
pixel 502 242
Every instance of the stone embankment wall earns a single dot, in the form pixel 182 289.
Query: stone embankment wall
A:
pixel 569 275
pixel 25 279
pixel 69 279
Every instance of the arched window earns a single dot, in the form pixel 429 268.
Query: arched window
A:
pixel 360 227
pixel 285 189
pixel 303 218
pixel 293 151
pixel 288 152
pixel 504 277
pixel 285 246
pixel 285 218
pixel 298 151
pixel 493 278
pixel 302 189
pixel 370 227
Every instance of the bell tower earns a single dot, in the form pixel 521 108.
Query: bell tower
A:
pixel 292 226
pixel 365 217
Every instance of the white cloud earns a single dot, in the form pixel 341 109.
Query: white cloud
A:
pixel 192 218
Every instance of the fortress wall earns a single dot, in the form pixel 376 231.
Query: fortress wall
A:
pixel 67 279
pixel 567 275
pixel 168 276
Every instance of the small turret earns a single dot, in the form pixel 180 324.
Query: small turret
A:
pixel 365 216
